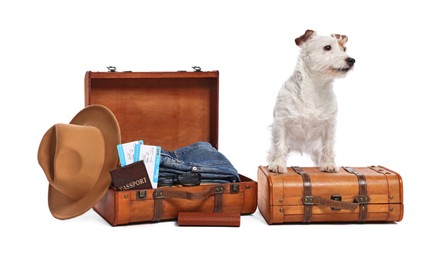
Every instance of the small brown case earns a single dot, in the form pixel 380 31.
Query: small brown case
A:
pixel 130 177
pixel 351 195
pixel 209 219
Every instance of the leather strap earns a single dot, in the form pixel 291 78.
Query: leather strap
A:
pixel 218 206
pixel 308 198
pixel 209 219
pixel 362 198
pixel 157 209
pixel 336 204
pixel 160 194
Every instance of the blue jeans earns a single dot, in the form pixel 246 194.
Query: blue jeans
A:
pixel 200 158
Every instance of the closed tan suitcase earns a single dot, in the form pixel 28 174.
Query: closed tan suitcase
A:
pixel 353 194
pixel 171 110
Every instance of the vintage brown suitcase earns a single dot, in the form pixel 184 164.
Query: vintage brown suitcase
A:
pixel 171 110
pixel 354 194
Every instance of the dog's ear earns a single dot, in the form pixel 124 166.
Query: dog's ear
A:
pixel 303 38
pixel 342 39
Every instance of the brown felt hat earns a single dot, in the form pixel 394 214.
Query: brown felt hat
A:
pixel 77 158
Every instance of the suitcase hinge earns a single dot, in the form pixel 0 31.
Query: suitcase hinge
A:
pixel 196 68
pixel 234 188
pixel 141 194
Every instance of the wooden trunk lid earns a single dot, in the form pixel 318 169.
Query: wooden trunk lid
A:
pixel 168 109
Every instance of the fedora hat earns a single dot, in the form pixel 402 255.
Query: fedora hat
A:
pixel 77 158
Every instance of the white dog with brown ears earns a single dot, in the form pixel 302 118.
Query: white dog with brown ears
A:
pixel 304 117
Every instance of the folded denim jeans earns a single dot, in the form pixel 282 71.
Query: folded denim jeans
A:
pixel 199 157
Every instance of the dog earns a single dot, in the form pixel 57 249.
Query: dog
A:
pixel 304 116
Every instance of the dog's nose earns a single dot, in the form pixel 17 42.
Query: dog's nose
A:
pixel 350 61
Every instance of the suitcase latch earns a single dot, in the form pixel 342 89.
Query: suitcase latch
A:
pixel 337 198
pixel 141 194
pixel 111 69
pixel 234 188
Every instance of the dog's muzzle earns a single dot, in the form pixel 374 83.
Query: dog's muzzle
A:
pixel 350 61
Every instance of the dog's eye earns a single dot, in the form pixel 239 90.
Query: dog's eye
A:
pixel 345 48
pixel 327 47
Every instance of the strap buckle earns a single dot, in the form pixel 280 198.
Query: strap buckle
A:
pixel 158 194
pixel 308 200
pixel 362 199
pixel 219 190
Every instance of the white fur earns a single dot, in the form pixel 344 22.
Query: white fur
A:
pixel 304 117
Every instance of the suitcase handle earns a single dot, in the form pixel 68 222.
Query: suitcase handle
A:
pixel 177 194
pixel 160 194
pixel 336 204
pixel 309 200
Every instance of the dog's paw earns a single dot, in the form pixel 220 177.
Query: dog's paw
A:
pixel 278 168
pixel 329 167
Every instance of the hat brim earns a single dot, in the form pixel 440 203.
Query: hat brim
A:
pixel 63 207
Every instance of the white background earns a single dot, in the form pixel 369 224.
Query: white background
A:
pixel 389 114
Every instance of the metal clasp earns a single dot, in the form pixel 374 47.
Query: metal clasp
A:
pixel 111 69
pixel 141 194
pixel 234 188
pixel 336 198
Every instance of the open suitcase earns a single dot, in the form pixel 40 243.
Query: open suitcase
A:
pixel 353 194
pixel 171 110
